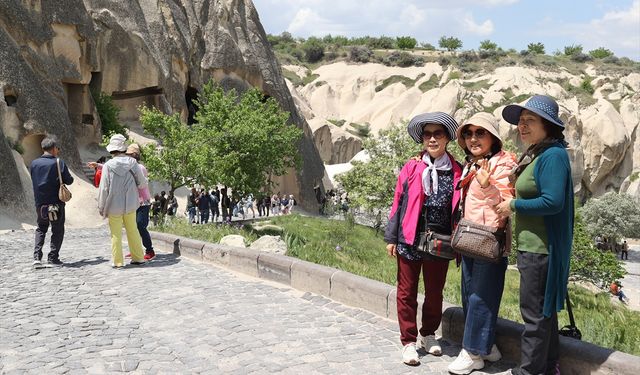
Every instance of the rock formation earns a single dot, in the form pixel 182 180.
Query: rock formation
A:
pixel 602 128
pixel 52 54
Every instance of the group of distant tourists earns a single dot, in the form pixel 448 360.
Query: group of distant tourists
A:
pixel 435 192
pixel 217 205
pixel 605 244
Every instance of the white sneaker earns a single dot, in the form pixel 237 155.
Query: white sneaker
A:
pixel 430 344
pixel 494 356
pixel 410 355
pixel 465 363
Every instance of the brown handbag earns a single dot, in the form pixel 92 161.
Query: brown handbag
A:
pixel 63 193
pixel 479 241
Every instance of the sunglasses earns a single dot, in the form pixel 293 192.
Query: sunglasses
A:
pixel 468 134
pixel 438 134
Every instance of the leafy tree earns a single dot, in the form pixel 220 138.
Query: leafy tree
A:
pixel 178 158
pixel 371 184
pixel 108 113
pixel 383 42
pixel 406 42
pixel 487 45
pixel 536 48
pixel 450 43
pixel 427 46
pixel 590 264
pixel 600 53
pixel 247 139
pixel 612 215
pixel 572 50
pixel 313 49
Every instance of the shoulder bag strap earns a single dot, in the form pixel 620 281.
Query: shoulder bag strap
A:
pixel 135 179
pixel 59 173
pixel 571 320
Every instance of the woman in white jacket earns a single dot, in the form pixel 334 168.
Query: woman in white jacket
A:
pixel 118 200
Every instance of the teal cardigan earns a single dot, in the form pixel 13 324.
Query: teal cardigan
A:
pixel 552 174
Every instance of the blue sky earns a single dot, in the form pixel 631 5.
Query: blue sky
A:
pixel 613 24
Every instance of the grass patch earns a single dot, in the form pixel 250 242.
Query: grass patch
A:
pixel 337 123
pixel 363 253
pixel 431 83
pixel 292 77
pixel 360 130
pixel 477 86
pixel 584 92
pixel 309 78
pixel 454 75
pixel 406 81
pixel 320 83
pixel 634 176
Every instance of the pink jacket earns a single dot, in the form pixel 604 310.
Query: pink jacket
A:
pixel 408 201
pixel 479 202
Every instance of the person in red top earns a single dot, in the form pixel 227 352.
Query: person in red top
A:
pixel 616 290
pixel 97 165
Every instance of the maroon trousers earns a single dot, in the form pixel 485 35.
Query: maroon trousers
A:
pixel 434 275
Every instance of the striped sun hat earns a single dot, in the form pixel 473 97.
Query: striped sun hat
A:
pixel 418 122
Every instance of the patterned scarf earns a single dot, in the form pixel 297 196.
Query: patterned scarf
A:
pixel 529 156
pixel 430 174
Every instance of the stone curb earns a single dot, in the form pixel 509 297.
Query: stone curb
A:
pixel 576 357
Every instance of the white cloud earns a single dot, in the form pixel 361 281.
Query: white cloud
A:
pixel 413 15
pixel 307 22
pixel 618 31
pixel 483 29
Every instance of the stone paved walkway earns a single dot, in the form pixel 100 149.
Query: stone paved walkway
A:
pixel 631 282
pixel 177 316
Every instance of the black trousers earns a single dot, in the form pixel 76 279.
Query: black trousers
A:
pixel 57 233
pixel 539 343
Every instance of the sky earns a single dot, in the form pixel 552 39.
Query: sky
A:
pixel 613 24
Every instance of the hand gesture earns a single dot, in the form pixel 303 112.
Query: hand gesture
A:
pixel 483 173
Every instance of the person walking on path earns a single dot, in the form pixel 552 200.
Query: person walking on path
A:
pixel 485 183
pixel 624 254
pixel 424 200
pixel 544 211
pixel 214 197
pixel 191 205
pixel 142 213
pixel 50 209
pixel 118 200
pixel 204 205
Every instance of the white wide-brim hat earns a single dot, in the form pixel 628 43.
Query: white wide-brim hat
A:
pixel 117 143
pixel 484 120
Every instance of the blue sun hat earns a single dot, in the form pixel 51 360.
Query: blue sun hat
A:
pixel 440 118
pixel 543 106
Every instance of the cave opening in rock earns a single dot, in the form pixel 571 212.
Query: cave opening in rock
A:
pixel 190 96
pixel 75 102
pixel 32 149
pixel 10 97
pixel 95 85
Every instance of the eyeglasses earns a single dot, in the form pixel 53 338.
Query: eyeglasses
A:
pixel 468 134
pixel 438 134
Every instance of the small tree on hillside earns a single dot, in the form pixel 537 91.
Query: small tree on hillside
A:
pixel 406 42
pixel 313 49
pixel 487 45
pixel 371 185
pixel 450 43
pixel 612 215
pixel 536 48
pixel 600 53
pixel 572 50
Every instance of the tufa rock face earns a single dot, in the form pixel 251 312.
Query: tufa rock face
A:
pixel 602 130
pixel 52 54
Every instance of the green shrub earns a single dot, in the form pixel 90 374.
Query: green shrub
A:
pixel 488 45
pixel 406 42
pixel 600 53
pixel 383 42
pixel 586 86
pixel 581 57
pixel 309 78
pixel 572 49
pixel 450 43
pixel 634 176
pixel 361 54
pixel 360 130
pixel 429 84
pixel 313 50
pixel 108 112
pixel 427 46
pixel 536 48
pixel 337 123
pixel 454 75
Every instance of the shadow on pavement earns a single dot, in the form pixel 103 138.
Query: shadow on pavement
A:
pixel 161 260
pixel 85 262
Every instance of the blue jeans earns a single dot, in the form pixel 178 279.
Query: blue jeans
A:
pixel 142 220
pixel 192 214
pixel 482 286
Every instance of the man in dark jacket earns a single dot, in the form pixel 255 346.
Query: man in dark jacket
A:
pixel 50 209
